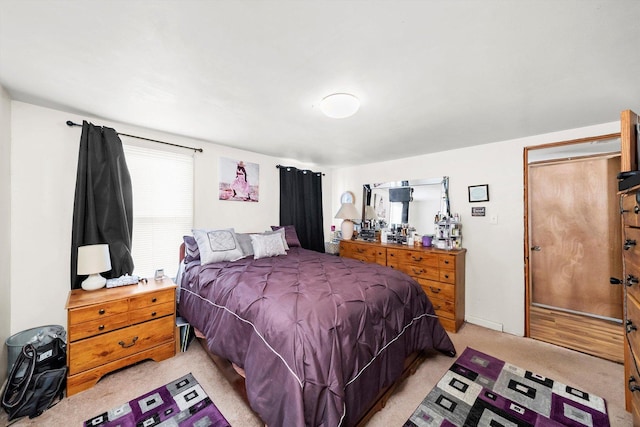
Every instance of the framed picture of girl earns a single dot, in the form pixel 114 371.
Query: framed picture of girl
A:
pixel 239 180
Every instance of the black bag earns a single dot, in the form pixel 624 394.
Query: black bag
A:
pixel 38 377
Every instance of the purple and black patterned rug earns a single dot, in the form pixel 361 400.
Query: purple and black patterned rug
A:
pixel 480 390
pixel 182 403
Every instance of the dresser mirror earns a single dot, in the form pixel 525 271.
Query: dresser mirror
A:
pixel 413 202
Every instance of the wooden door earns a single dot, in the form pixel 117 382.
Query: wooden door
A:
pixel 574 236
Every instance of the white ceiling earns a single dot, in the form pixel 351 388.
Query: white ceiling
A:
pixel 432 75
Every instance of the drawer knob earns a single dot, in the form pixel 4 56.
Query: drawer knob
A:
pixel 636 209
pixel 101 327
pixel 446 261
pixel 154 299
pixel 630 326
pixel 417 271
pixel 632 384
pixel 628 243
pixel 436 307
pixel 101 311
pixel 434 290
pixel 153 313
pixel 416 258
pixel 446 276
pixel 133 342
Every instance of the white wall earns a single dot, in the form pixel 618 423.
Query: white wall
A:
pixel 495 253
pixel 5 227
pixel 44 162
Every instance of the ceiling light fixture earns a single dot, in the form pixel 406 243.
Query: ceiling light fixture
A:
pixel 339 105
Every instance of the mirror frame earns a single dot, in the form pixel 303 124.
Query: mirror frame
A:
pixel 443 181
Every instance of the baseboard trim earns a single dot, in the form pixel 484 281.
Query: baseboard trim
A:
pixel 485 323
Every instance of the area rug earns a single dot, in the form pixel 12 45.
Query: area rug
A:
pixel 182 403
pixel 481 390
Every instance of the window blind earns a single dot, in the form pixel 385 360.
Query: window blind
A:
pixel 162 184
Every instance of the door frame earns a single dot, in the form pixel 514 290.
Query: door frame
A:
pixel 527 275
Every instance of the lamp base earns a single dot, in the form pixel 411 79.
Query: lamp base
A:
pixel 94 282
pixel 347 229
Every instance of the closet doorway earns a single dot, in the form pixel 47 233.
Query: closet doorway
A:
pixel 573 245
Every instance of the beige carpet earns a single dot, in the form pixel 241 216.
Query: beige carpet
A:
pixel 591 374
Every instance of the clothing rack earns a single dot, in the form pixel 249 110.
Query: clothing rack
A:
pixel 71 124
pixel 304 170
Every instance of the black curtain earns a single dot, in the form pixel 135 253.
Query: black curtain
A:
pixel 301 205
pixel 103 207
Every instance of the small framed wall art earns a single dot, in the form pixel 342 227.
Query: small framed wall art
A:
pixel 479 193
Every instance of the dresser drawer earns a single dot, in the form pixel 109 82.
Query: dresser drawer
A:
pixel 448 276
pixel 97 311
pixel 153 312
pixel 633 316
pixel 440 290
pixel 416 271
pixel 444 308
pixel 401 256
pixel 447 262
pixel 102 325
pixel 630 210
pixel 152 298
pixel 101 349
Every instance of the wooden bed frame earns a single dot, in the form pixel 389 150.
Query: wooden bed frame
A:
pixel 411 364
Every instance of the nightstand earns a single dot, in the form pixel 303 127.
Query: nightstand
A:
pixel 111 328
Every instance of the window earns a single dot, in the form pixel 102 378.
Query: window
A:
pixel 162 184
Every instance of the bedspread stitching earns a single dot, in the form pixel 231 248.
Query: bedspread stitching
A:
pixel 254 328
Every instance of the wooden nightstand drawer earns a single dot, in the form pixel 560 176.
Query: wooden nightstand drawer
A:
pixel 152 298
pixel 105 348
pixel 149 313
pixel 78 331
pixel 97 311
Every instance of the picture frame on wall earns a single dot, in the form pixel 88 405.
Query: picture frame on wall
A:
pixel 479 193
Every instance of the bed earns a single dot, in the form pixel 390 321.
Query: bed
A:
pixel 318 337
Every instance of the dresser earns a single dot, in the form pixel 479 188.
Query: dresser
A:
pixel 439 272
pixel 108 329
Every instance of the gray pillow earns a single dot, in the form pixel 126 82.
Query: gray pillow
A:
pixel 245 243
pixel 217 245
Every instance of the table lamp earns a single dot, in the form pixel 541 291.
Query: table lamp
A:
pixel 93 260
pixel 347 213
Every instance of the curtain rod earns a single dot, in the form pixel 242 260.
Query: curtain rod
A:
pixel 280 166
pixel 71 124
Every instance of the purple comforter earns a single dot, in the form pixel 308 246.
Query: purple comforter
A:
pixel 317 335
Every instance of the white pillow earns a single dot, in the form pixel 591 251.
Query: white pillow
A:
pixel 267 245
pixel 217 245
pixel 280 232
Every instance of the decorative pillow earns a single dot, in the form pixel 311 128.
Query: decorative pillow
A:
pixel 267 245
pixel 290 235
pixel 217 245
pixel 281 233
pixel 244 240
pixel 191 251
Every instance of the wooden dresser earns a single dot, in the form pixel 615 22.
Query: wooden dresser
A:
pixel 630 209
pixel 112 328
pixel 439 272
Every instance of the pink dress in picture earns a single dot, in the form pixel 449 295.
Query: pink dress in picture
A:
pixel 240 185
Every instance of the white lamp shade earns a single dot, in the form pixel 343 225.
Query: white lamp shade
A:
pixel 348 211
pixel 93 259
pixel 339 105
